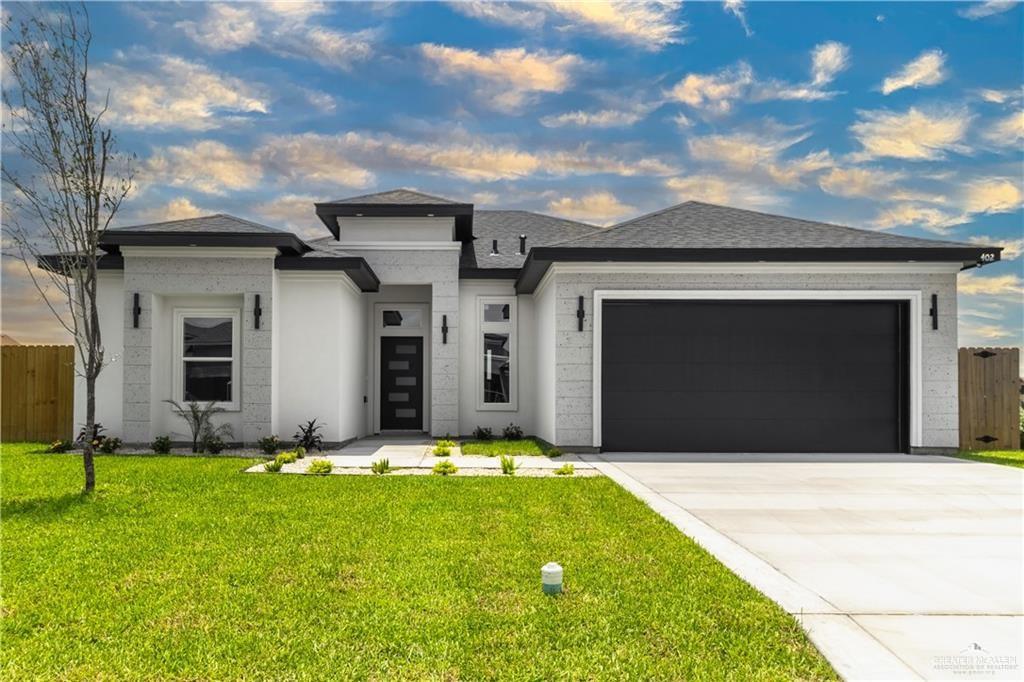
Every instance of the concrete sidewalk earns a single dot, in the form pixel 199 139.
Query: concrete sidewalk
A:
pixel 898 566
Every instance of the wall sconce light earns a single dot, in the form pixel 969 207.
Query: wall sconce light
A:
pixel 257 311
pixel 580 313
pixel 136 311
pixel 934 312
pixel 444 329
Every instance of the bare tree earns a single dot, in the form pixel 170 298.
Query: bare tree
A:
pixel 65 181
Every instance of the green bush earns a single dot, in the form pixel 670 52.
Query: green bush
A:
pixel 273 466
pixel 482 433
pixel 446 443
pixel 320 467
pixel 109 446
pixel 442 450
pixel 213 445
pixel 512 432
pixel 381 466
pixel 508 465
pixel 161 445
pixel 445 468
pixel 300 452
pixel 566 469
pixel 308 436
pixel 286 457
pixel 59 446
pixel 269 444
pixel 554 452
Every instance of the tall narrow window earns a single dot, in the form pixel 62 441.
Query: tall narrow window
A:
pixel 207 345
pixel 497 353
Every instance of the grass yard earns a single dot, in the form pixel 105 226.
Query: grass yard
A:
pixel 530 447
pixel 1012 458
pixel 185 568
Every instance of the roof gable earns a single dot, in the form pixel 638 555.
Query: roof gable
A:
pixel 395 196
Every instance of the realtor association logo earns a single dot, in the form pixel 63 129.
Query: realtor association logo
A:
pixel 976 662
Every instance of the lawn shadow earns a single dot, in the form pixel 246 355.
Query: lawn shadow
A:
pixel 42 507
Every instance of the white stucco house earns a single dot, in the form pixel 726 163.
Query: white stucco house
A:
pixel 693 328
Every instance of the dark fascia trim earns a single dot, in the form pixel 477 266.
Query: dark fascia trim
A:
pixel 540 258
pixel 55 263
pixel 489 273
pixel 286 243
pixel 463 214
pixel 358 270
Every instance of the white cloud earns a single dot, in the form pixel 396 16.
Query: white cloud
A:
pixel 682 121
pixel 310 157
pixel 714 92
pixel 737 8
pixel 992 195
pixel 716 189
pixel 484 198
pixel 164 91
pixel 926 217
pixel 858 182
pixel 997 96
pixel 209 167
pixel 649 25
pixel 927 69
pixel 176 209
pixel 284 28
pixel 992 285
pixel 1008 132
pixel 294 212
pixel 598 207
pixel 912 135
pixel 507 77
pixel 827 60
pixel 602 118
pixel 750 152
pixel 1012 248
pixel 979 10
pixel 988 331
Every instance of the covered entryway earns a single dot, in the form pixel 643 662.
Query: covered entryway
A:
pixel 754 376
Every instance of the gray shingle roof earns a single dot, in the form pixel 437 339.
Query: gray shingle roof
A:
pixel 696 225
pixel 506 226
pixel 327 247
pixel 395 196
pixel 220 222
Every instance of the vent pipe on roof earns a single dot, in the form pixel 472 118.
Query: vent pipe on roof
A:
pixel 494 247
pixel 522 244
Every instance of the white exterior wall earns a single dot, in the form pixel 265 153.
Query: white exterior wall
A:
pixel 470 380
pixel 574 390
pixel 109 405
pixel 321 355
pixel 544 371
pixel 406 231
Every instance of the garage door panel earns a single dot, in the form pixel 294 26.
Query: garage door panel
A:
pixel 748 376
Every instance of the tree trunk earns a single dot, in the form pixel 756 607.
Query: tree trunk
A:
pixel 90 422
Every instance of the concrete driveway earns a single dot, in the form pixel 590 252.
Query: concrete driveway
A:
pixel 898 566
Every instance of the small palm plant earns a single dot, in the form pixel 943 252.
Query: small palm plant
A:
pixel 508 465
pixel 198 418
pixel 381 466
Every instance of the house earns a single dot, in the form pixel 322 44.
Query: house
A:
pixel 693 328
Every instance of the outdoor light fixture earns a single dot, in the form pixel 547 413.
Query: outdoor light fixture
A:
pixel 934 312
pixel 444 329
pixel 551 578
pixel 580 312
pixel 257 311
pixel 136 311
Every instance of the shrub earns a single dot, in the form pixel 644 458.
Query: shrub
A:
pixel 213 445
pixel 554 452
pixel 508 465
pixel 96 437
pixel 566 469
pixel 442 450
pixel 273 466
pixel 445 468
pixel 269 444
pixel 512 432
pixel 446 443
pixel 161 445
pixel 286 457
pixel 381 466
pixel 308 436
pixel 482 433
pixel 198 417
pixel 59 446
pixel 109 445
pixel 300 452
pixel 319 467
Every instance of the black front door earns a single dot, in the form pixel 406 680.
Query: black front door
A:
pixel 401 382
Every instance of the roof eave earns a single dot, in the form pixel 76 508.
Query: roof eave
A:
pixel 285 242
pixel 356 267
pixel 329 213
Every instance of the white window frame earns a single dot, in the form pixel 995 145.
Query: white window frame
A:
pixel 509 327
pixel 178 372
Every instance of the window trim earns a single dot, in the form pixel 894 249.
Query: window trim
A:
pixel 178 370
pixel 509 327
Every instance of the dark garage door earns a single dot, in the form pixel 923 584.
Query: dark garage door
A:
pixel 754 376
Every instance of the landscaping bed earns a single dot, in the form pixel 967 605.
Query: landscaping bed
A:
pixel 522 447
pixel 180 568
pixel 1012 458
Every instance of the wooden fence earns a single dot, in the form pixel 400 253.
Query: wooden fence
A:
pixel 38 392
pixel 989 398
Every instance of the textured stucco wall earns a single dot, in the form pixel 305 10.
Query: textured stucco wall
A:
pixel 154 277
pixel 438 268
pixel 573 403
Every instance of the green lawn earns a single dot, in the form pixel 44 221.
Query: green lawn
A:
pixel 1013 458
pixel 185 568
pixel 495 448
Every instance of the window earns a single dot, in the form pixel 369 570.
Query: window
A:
pixel 406 319
pixel 206 342
pixel 497 354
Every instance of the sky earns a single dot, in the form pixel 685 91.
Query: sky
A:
pixel 902 117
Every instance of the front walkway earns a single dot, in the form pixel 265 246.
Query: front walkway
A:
pixel 898 566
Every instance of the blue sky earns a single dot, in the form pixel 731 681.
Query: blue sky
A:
pixel 904 117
